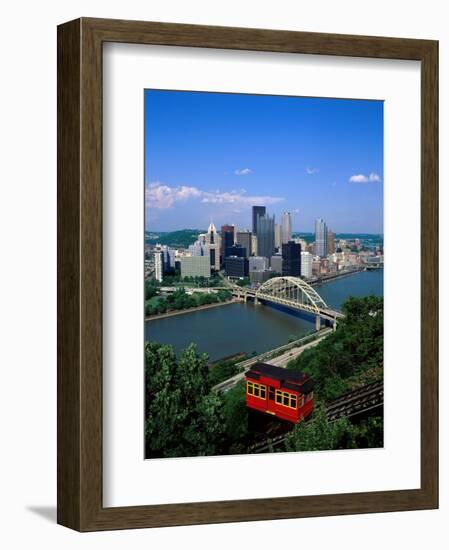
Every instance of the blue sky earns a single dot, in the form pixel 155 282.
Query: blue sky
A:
pixel 213 156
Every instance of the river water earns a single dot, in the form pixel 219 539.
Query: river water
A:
pixel 238 327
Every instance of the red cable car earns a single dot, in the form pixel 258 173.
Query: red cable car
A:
pixel 286 394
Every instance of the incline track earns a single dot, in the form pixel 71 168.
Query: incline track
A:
pixel 356 402
pixel 349 405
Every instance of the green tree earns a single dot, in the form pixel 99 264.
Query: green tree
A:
pixel 151 288
pixel 353 353
pixel 318 434
pixel 235 415
pixel 183 416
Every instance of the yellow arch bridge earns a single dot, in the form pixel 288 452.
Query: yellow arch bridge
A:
pixel 291 292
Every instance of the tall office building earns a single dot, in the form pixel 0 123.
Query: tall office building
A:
pixel 227 239
pixel 236 267
pixel 244 238
pixel 158 263
pixel 291 259
pixel 320 238
pixel 235 250
pixel 257 263
pixel 330 242
pixel 198 248
pixel 277 236
pixel 253 244
pixel 265 236
pixel 258 211
pixel 286 227
pixel 306 264
pixel 276 263
pixel 213 242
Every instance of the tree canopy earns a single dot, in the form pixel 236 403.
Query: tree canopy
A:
pixel 350 357
pixel 183 416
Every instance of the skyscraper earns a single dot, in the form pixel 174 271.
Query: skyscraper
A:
pixel 306 264
pixel 213 241
pixel 158 263
pixel 258 211
pixel 227 239
pixel 235 250
pixel 330 242
pixel 291 259
pixel 265 236
pixel 236 267
pixel 286 227
pixel 253 244
pixel 277 236
pixel 320 238
pixel 244 238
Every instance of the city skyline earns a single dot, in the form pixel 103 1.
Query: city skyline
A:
pixel 307 156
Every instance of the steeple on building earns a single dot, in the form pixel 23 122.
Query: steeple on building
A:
pixel 213 242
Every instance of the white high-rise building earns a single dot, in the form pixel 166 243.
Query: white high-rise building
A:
pixel 277 236
pixel 253 244
pixel 306 264
pixel 158 263
pixel 286 227
pixel 213 242
pixel 198 248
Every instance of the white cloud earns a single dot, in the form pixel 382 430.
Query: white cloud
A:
pixel 362 178
pixel 161 196
pixel 242 171
pixel 158 195
pixel 312 171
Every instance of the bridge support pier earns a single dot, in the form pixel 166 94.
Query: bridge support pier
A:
pixel 256 301
pixel 317 322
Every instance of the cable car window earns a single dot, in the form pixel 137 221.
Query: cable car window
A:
pixel 262 392
pixel 285 400
pixel 293 401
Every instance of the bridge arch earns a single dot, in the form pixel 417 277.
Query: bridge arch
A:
pixel 292 289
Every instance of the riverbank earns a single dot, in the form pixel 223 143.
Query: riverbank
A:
pixel 177 312
pixel 244 327
pixel 336 276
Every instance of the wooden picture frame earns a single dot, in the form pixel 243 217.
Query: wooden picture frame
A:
pixel 80 504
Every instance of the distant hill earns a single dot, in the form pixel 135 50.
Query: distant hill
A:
pixel 177 239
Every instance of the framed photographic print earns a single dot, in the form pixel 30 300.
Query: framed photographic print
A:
pixel 247 274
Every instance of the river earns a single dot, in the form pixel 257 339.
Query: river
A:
pixel 238 327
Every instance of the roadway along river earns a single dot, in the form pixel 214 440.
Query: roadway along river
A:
pixel 234 328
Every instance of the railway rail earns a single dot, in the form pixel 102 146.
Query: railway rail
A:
pixel 349 405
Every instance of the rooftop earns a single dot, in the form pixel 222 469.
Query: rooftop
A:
pixel 294 380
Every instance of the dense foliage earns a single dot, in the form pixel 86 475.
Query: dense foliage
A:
pixel 222 370
pixel 200 282
pixel 235 415
pixel 176 239
pixel 350 357
pixel 179 300
pixel 318 434
pixel 183 416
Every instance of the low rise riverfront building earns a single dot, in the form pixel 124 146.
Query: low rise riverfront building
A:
pixel 195 266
